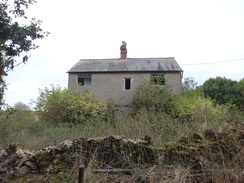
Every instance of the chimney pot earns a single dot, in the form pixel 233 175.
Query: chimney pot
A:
pixel 123 51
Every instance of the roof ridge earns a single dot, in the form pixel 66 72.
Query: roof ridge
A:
pixel 127 58
pixel 100 59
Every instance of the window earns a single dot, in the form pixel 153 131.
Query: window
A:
pixel 127 83
pixel 157 79
pixel 84 80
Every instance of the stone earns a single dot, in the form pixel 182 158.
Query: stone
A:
pixel 121 152
pixel 22 171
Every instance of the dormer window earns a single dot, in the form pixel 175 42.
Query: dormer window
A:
pixel 84 80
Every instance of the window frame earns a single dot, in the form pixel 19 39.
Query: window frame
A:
pixel 86 78
pixel 127 83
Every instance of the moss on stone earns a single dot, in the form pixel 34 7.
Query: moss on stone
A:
pixel 43 164
pixel 218 148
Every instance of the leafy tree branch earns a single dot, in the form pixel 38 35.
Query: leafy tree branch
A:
pixel 15 38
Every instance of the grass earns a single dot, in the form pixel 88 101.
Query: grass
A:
pixel 29 132
pixel 24 128
pixel 174 174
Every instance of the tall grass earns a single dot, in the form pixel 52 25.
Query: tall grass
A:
pixel 30 133
pixel 156 116
pixel 25 129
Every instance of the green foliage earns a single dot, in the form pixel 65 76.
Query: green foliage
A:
pixel 190 88
pixel 189 84
pixel 163 113
pixel 15 38
pixel 28 131
pixel 191 115
pixel 154 98
pixel 62 105
pixel 225 91
pixel 157 125
pixel 239 98
pixel 20 127
pixel 197 109
pixel 157 79
pixel 221 90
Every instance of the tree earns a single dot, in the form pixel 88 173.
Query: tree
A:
pixel 16 38
pixel 20 106
pixel 189 84
pixel 190 87
pixel 221 90
pixel 239 91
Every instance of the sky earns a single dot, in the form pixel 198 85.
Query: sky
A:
pixel 206 37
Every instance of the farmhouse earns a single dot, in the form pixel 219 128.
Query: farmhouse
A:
pixel 118 79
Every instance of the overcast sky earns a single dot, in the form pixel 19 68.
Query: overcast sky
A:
pixel 192 31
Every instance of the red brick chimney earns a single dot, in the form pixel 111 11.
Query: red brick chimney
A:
pixel 123 51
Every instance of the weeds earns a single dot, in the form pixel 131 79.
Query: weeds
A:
pixel 158 118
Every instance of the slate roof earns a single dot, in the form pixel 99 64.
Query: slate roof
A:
pixel 127 65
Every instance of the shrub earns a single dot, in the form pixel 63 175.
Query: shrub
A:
pixel 189 112
pixel 154 98
pixel 200 113
pixel 63 105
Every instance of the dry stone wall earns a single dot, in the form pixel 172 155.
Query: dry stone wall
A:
pixel 199 153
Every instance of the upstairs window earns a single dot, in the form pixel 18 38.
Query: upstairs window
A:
pixel 127 83
pixel 84 80
pixel 157 79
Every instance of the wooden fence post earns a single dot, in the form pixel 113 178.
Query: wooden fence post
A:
pixel 81 174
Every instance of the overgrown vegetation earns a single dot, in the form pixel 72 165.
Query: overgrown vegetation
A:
pixel 154 98
pixel 57 105
pixel 61 114
pixel 157 116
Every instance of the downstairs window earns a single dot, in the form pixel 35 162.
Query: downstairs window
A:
pixel 127 83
